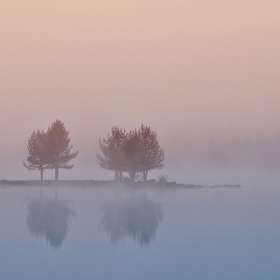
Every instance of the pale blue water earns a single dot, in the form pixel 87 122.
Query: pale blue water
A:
pixel 123 233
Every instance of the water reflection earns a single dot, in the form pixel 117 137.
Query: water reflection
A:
pixel 136 217
pixel 50 218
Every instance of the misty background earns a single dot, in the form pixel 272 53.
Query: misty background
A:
pixel 203 74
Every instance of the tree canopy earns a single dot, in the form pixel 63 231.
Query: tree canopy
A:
pixel 50 150
pixel 112 149
pixel 59 148
pixel 152 154
pixel 38 158
pixel 136 151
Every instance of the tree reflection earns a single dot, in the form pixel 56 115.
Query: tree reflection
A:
pixel 50 218
pixel 136 218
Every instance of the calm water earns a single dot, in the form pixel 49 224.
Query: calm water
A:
pixel 123 233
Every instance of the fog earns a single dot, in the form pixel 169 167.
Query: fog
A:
pixel 203 75
pixel 115 232
pixel 216 160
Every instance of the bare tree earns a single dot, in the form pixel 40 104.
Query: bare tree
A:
pixel 58 147
pixel 38 158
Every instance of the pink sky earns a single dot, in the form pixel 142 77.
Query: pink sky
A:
pixel 193 70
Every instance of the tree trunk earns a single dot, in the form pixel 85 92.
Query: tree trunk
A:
pixel 145 175
pixel 42 174
pixel 56 173
pixel 132 176
pixel 116 175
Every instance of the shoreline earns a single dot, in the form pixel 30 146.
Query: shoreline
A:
pixel 95 183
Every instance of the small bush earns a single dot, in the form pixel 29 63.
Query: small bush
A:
pixel 162 179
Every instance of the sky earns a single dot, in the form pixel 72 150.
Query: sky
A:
pixel 203 74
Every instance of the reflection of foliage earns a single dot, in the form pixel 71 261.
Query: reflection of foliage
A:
pixel 49 218
pixel 137 218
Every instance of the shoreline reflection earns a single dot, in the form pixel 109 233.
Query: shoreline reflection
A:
pixel 49 218
pixel 135 218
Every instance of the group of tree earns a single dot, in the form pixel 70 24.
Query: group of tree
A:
pixel 136 151
pixel 50 150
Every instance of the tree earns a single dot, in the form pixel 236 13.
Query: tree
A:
pixel 38 158
pixel 152 154
pixel 58 147
pixel 112 149
pixel 133 152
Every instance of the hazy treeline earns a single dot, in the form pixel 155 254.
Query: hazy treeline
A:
pixel 134 152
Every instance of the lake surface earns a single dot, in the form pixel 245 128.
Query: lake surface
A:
pixel 144 233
